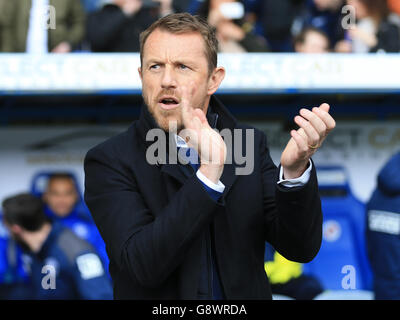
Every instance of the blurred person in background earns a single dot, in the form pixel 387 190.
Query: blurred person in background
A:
pixel 24 26
pixel 324 15
pixel 383 231
pixel 14 275
pixel 91 5
pixel 276 20
pixel 61 200
pixel 287 277
pixel 117 25
pixel 232 31
pixel 63 266
pixel 311 40
pixel 373 30
pixel 394 6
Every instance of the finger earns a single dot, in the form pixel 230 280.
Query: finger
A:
pixel 300 141
pixel 325 107
pixel 326 118
pixel 187 111
pixel 185 100
pixel 312 134
pixel 200 114
pixel 315 121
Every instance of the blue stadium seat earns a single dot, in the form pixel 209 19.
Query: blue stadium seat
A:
pixel 343 246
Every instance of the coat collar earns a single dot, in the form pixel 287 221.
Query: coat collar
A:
pixel 218 117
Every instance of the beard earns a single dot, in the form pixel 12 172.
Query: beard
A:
pixel 168 120
pixel 165 119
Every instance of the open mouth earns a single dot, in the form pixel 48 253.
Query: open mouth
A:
pixel 168 102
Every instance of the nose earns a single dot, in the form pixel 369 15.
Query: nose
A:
pixel 168 80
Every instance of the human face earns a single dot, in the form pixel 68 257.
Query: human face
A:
pixel 176 66
pixel 314 43
pixel 61 197
pixel 327 4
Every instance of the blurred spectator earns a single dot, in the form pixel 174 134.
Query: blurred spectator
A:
pixel 394 6
pixel 61 204
pixel 92 5
pixel 117 25
pixel 287 278
pixel 25 25
pixel 311 40
pixel 61 196
pixel 383 231
pixel 325 15
pixel 62 265
pixel 233 33
pixel 373 31
pixel 14 275
pixel 276 19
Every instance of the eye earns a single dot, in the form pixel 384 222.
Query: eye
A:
pixel 154 67
pixel 183 67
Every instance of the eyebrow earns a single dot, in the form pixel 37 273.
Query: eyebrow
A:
pixel 177 62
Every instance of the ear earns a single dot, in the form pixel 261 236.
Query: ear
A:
pixel 140 73
pixel 215 80
pixel 15 229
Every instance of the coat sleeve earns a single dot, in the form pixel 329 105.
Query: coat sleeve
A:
pixel 146 246
pixel 293 216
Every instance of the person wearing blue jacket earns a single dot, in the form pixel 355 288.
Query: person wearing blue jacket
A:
pixel 383 231
pixel 62 265
pixel 62 204
pixel 13 268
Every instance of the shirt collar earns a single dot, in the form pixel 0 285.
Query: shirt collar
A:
pixel 180 142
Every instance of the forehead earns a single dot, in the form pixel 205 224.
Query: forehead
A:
pixel 315 36
pixel 57 182
pixel 162 44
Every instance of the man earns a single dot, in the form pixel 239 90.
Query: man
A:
pixel 63 265
pixel 13 271
pixel 61 205
pixel 41 26
pixel 198 230
pixel 61 196
pixel 383 231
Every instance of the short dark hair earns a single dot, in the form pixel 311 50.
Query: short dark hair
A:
pixel 60 176
pixel 301 37
pixel 24 210
pixel 179 23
